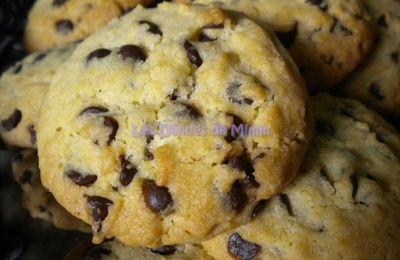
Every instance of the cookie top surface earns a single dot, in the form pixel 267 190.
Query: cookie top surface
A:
pixel 180 180
pixel 343 205
pixel 327 38
pixel 377 82
pixel 57 22
pixel 37 199
pixel 22 92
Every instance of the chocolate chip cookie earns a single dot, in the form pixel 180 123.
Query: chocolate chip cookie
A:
pixel 22 92
pixel 327 38
pixel 36 199
pixel 343 205
pixel 163 131
pixel 57 22
pixel 377 82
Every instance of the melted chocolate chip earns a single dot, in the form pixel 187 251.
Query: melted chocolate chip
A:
pixel 375 91
pixel 131 51
pixel 157 198
pixel 32 133
pixel 26 177
pixel 58 3
pixel 214 26
pixel 81 180
pixel 193 54
pixel 314 2
pixel 243 163
pixel 12 121
pixel 165 250
pixel 287 38
pixel 99 207
pixel 93 110
pixel 64 27
pixel 148 155
pixel 114 125
pixel 96 253
pixel 232 132
pixel 324 128
pixel 98 54
pixel 284 199
pixel 259 208
pixel 237 197
pixel 128 171
pixel 242 249
pixel 382 21
pixel 394 57
pixel 205 38
pixel 153 28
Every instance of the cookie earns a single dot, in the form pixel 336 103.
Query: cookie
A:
pixel 326 38
pixel 57 22
pixel 36 199
pixel 114 250
pixel 343 205
pixel 140 137
pixel 377 82
pixel 22 92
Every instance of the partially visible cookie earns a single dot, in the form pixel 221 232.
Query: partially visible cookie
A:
pixel 36 199
pixel 345 203
pixel 377 82
pixel 22 92
pixel 57 22
pixel 327 38
pixel 162 131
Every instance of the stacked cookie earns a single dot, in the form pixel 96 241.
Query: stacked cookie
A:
pixel 181 131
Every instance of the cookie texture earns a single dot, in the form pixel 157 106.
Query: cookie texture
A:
pixel 57 22
pixel 327 38
pixel 36 199
pixel 130 135
pixel 343 205
pixel 22 92
pixel 377 82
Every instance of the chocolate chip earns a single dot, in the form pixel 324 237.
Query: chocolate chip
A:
pixel 18 69
pixel 190 111
pixel 93 110
pixel 39 57
pixel 32 133
pixel 128 171
pixel 259 208
pixel 58 3
pixel 284 199
pixel 81 180
pixel 288 37
pixel 64 27
pixel 314 2
pixel 114 125
pixel 26 177
pixel 193 54
pixel 205 38
pixel 248 101
pixel 153 28
pixel 131 51
pixel 237 197
pixel 157 198
pixel 96 253
pixel 12 121
pixel 375 91
pixel 214 26
pixel 98 54
pixel 355 182
pixel 148 155
pixel 243 163
pixel 99 207
pixel 242 249
pixel 324 128
pixel 382 21
pixel 394 57
pixel 232 132
pixel 165 250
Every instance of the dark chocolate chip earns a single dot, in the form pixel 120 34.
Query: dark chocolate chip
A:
pixel 242 249
pixel 232 132
pixel 26 177
pixel 237 197
pixel 288 37
pixel 355 182
pixel 165 250
pixel 131 51
pixel 93 110
pixel 64 27
pixel 314 2
pixel 248 101
pixel 42 208
pixel 12 121
pixel 39 57
pixel 324 128
pixel 394 57
pixel 99 207
pixel 148 155
pixel 153 28
pixel 157 198
pixel 259 208
pixel 284 199
pixel 98 54
pixel 382 21
pixel 214 26
pixel 128 171
pixel 32 133
pixel 205 38
pixel 243 163
pixel 193 54
pixel 189 110
pixel 96 253
pixel 114 125
pixel 81 180
pixel 375 91
pixel 58 3
pixel 18 69
pixel 149 137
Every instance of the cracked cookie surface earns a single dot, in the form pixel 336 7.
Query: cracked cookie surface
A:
pixel 326 38
pixel 200 70
pixel 343 205
pixel 57 22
